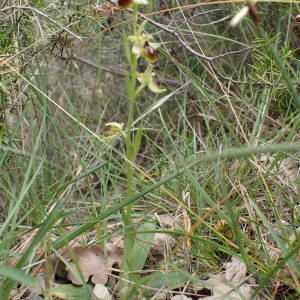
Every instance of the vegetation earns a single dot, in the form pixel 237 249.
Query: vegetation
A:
pixel 116 118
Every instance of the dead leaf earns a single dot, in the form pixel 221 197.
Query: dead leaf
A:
pixel 235 271
pixel 169 222
pixel 181 297
pixel 286 172
pixel 101 292
pixel 231 284
pixel 89 263
pixel 162 243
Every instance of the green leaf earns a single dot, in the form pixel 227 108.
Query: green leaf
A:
pixel 139 253
pixel 141 27
pixel 137 141
pixel 17 275
pixel 162 280
pixel 126 46
pixel 72 292
pixel 142 246
pixel 225 154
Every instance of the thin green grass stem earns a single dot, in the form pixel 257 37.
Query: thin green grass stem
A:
pixel 129 229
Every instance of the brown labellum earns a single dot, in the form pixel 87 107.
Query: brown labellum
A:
pixel 150 53
pixel 253 14
pixel 125 3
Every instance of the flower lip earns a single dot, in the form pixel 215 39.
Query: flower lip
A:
pixel 149 52
pixel 125 3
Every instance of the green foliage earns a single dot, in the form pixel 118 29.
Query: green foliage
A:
pixel 69 292
pixel 226 133
pixel 17 275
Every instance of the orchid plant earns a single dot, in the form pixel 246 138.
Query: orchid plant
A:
pixel 137 46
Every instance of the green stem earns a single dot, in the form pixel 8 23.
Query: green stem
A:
pixel 129 231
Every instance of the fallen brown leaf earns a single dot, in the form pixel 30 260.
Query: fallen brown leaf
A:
pixel 231 284
pixel 101 292
pixel 162 243
pixel 90 263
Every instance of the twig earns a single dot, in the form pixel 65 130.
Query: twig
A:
pixel 212 58
pixel 38 12
pixel 215 22
pixel 177 35
pixel 205 13
pixel 94 65
pixel 120 72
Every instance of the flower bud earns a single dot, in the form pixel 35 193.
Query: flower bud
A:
pixel 112 131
